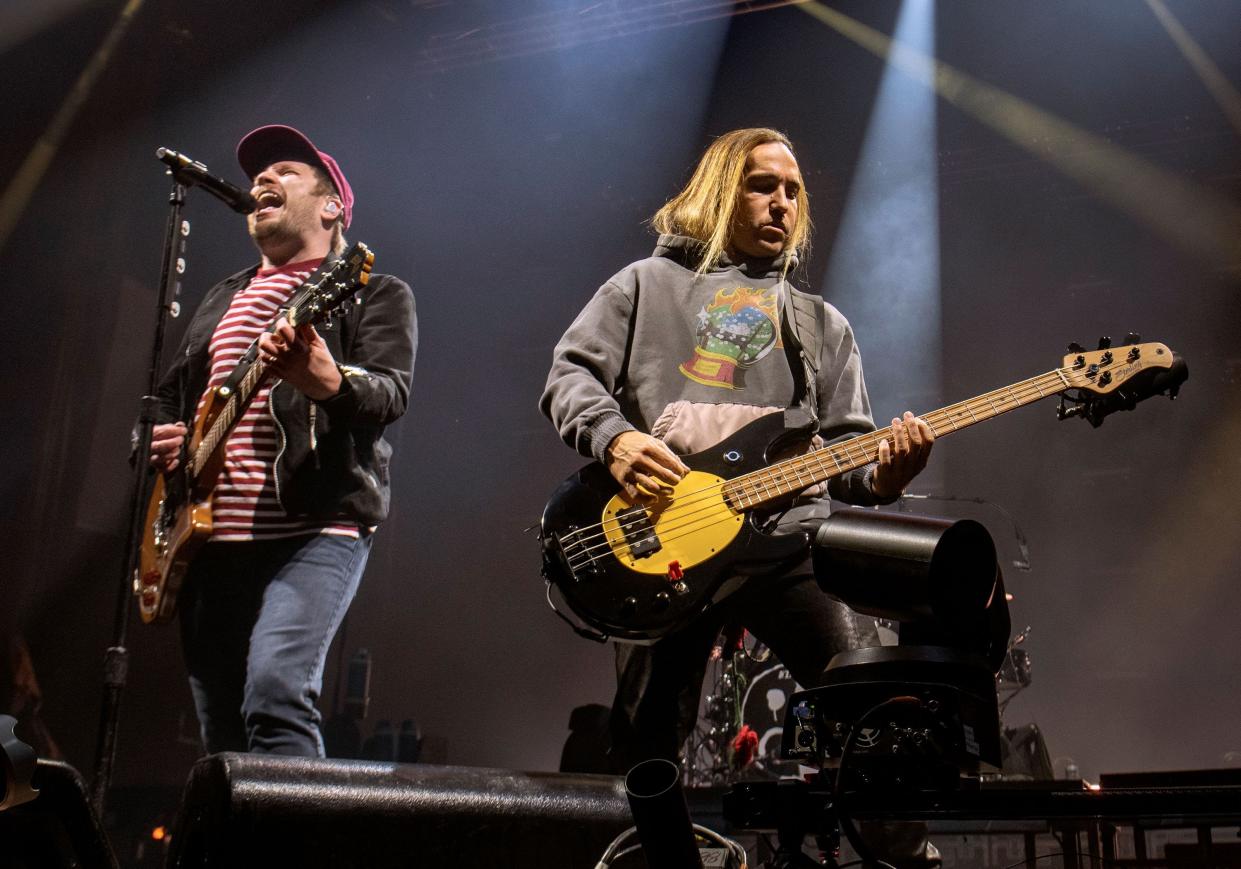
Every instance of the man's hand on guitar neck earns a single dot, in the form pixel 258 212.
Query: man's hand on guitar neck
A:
pixel 643 464
pixel 299 356
pixel 902 456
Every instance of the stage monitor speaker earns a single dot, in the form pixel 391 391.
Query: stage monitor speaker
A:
pixel 58 828
pixel 261 810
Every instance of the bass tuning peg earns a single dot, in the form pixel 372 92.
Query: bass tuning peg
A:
pixel 1074 347
pixel 1105 342
pixel 1132 338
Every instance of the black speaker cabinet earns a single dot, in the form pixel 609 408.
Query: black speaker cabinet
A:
pixel 58 828
pixel 260 810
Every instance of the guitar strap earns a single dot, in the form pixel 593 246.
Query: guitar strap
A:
pixel 252 352
pixel 802 345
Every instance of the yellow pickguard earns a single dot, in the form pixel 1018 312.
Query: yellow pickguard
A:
pixel 692 521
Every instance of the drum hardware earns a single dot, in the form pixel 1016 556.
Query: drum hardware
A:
pixel 744 707
pixel 1015 672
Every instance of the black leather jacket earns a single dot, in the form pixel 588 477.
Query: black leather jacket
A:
pixel 332 456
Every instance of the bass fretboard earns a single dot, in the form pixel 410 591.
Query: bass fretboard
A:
pixel 793 475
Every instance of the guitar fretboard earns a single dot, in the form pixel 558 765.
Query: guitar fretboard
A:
pixel 793 475
pixel 236 405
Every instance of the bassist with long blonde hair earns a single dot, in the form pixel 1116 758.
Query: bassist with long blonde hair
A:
pixel 680 350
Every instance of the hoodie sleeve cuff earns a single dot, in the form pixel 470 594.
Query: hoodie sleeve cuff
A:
pixel 602 431
pixel 868 475
pixel 855 488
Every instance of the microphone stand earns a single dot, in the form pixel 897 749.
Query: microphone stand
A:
pixel 116 659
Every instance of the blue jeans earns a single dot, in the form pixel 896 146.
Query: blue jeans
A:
pixel 257 619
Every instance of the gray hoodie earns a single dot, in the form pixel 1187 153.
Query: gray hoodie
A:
pixel 691 359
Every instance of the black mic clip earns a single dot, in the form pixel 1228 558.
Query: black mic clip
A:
pixel 194 174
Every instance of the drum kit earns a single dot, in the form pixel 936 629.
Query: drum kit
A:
pixel 741 718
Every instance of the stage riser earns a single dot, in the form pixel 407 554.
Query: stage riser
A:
pixel 251 810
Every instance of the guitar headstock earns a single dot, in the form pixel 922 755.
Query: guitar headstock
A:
pixel 1107 369
pixel 331 293
pixel 1117 378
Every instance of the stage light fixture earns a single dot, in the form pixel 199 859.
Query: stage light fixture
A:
pixel 936 690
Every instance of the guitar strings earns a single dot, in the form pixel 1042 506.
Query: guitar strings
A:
pixel 1023 390
pixel 783 471
pixel 705 501
pixel 678 521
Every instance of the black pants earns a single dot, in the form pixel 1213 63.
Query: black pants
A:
pixel 658 686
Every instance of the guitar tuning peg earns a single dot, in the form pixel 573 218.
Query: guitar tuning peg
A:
pixel 1133 338
pixel 1074 347
pixel 1105 342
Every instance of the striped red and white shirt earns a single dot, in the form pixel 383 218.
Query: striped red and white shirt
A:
pixel 246 506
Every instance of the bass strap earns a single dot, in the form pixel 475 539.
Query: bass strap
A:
pixel 802 345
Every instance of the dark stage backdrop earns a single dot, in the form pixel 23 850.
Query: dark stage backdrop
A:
pixel 506 189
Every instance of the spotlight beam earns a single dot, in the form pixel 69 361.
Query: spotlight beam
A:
pixel 892 292
pixel 24 183
pixel 1224 92
pixel 1199 221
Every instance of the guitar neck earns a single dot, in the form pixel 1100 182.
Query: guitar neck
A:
pixel 794 475
pixel 230 414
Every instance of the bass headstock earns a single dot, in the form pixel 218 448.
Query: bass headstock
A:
pixel 1106 369
pixel 1102 381
pixel 332 293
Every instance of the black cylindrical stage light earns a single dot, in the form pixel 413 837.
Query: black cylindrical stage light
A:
pixel 908 568
pixel 940 580
pixel 661 815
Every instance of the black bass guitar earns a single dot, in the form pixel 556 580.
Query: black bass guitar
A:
pixel 636 572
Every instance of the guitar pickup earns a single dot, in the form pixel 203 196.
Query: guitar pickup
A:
pixel 635 524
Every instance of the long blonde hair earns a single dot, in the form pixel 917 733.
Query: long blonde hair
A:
pixel 704 209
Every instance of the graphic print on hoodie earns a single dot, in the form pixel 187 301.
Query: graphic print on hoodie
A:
pixel 737 328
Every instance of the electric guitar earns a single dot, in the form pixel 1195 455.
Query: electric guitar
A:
pixel 636 572
pixel 178 517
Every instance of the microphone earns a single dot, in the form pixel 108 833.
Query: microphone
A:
pixel 195 174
